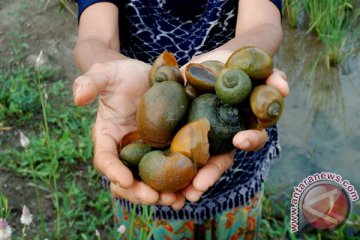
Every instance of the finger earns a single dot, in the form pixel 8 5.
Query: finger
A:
pixel 107 162
pixel 212 171
pixel 191 193
pixel 92 83
pixel 250 140
pixel 138 193
pixel 167 199
pixel 179 203
pixel 278 80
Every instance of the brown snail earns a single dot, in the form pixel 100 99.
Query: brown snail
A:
pixel 192 141
pixel 233 86
pixel 254 61
pixel 165 68
pixel 160 111
pixel 202 76
pixel 166 173
pixel 267 104
pixel 225 121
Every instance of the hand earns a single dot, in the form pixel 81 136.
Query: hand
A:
pixel 248 140
pixel 119 85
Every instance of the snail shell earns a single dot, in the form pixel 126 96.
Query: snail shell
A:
pixel 267 104
pixel 192 141
pixel 225 121
pixel 133 152
pixel 201 77
pixel 214 65
pixel 254 61
pixel 233 86
pixel 166 173
pixel 190 92
pixel 165 68
pixel 160 111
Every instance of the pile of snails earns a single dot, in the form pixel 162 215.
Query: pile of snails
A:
pixel 181 123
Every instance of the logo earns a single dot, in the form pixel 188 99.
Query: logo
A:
pixel 323 201
pixel 325 205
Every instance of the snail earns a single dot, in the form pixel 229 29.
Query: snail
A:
pixel 160 111
pixel 190 91
pixel 267 104
pixel 165 68
pixel 192 141
pixel 232 86
pixel 254 61
pixel 202 76
pixel 225 121
pixel 132 153
pixel 166 173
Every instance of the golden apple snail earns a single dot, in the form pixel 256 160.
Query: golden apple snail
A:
pixel 133 152
pixel 254 61
pixel 225 121
pixel 232 86
pixel 202 76
pixel 166 173
pixel 165 68
pixel 160 111
pixel 267 104
pixel 192 141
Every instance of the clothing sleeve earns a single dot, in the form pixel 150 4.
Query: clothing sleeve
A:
pixel 83 4
pixel 278 4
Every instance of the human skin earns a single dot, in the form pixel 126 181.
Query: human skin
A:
pixel 119 83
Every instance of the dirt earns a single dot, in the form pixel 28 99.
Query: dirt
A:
pixel 39 26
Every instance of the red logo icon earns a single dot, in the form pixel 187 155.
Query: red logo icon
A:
pixel 325 205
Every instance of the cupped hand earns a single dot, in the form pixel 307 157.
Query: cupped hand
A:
pixel 119 86
pixel 248 140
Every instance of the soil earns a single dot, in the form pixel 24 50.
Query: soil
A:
pixel 43 26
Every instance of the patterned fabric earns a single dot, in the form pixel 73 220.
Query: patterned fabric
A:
pixel 149 27
pixel 235 224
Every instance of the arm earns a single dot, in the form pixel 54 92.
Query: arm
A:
pixel 98 41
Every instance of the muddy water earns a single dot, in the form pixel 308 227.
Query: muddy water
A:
pixel 320 129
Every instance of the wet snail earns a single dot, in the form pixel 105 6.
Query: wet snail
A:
pixel 267 104
pixel 254 61
pixel 171 170
pixel 202 76
pixel 165 68
pixel 160 111
pixel 181 123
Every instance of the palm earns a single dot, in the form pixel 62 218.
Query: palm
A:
pixel 118 100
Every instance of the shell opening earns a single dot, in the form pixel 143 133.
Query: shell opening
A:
pixel 274 109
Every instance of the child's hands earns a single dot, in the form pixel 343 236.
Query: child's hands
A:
pixel 119 85
pixel 248 140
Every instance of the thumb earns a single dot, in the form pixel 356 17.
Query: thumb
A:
pixel 92 83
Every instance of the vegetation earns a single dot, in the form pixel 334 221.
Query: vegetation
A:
pixel 334 22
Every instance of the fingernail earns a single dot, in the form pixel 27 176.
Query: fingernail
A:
pixel 244 144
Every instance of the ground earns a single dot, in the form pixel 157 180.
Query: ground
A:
pixel 41 26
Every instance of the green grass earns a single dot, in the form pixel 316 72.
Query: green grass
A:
pixel 334 22
pixel 292 10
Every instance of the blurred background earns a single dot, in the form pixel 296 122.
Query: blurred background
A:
pixel 50 170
